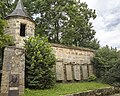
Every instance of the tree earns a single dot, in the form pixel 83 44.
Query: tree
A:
pixel 63 21
pixel 112 76
pixel 39 63
pixel 93 44
pixel 105 58
pixel 6 6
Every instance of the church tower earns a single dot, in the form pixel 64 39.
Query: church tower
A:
pixel 20 25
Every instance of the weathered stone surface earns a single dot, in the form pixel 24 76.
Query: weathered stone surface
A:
pixel 77 72
pixel 13 29
pixel 69 75
pixel 72 56
pixel 98 92
pixel 90 67
pixel 84 72
pixel 11 64
pixel 59 71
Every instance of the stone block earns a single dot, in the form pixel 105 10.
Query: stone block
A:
pixel 11 64
pixel 69 72
pixel 90 67
pixel 84 72
pixel 77 72
pixel 59 71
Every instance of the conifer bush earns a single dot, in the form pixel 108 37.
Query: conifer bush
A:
pixel 39 63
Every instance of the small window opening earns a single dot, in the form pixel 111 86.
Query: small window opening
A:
pixel 22 29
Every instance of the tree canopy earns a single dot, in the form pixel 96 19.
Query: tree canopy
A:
pixel 107 65
pixel 65 22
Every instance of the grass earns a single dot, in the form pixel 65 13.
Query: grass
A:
pixel 62 89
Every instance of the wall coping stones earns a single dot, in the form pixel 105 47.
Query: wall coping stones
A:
pixel 98 92
pixel 72 47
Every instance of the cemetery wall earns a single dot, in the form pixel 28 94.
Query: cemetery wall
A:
pixel 73 63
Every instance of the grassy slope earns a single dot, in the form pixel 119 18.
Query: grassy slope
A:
pixel 61 89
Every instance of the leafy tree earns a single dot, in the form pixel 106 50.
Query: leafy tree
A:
pixel 6 6
pixel 93 44
pixel 39 63
pixel 105 58
pixel 63 21
pixel 112 76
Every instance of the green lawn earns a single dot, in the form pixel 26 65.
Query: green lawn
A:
pixel 62 89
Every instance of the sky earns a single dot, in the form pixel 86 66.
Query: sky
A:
pixel 107 23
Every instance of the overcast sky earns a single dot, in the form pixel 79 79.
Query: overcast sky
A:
pixel 107 23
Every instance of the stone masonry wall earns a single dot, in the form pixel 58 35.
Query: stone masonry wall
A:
pixel 13 71
pixel 13 29
pixel 73 64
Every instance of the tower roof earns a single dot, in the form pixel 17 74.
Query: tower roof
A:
pixel 19 11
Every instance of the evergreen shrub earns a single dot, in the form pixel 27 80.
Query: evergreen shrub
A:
pixel 39 63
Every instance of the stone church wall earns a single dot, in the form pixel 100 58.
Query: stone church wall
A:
pixel 73 64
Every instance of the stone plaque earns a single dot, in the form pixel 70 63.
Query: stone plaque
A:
pixel 13 93
pixel 90 70
pixel 13 85
pixel 14 80
pixel 77 72
pixel 69 72
pixel 59 71
pixel 84 72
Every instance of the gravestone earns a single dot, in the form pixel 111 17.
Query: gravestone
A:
pixel 84 72
pixel 77 72
pixel 59 71
pixel 69 72
pixel 90 67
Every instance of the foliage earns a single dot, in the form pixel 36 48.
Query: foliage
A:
pixel 113 75
pixel 39 63
pixel 104 59
pixel 6 6
pixel 4 39
pixel 63 21
pixel 92 78
pixel 62 89
pixel 106 63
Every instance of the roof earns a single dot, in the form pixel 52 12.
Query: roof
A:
pixel 19 11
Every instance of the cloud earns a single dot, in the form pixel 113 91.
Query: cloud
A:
pixel 107 23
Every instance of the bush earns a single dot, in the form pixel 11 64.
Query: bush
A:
pixel 39 63
pixel 92 78
pixel 104 59
pixel 112 77
pixel 107 64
